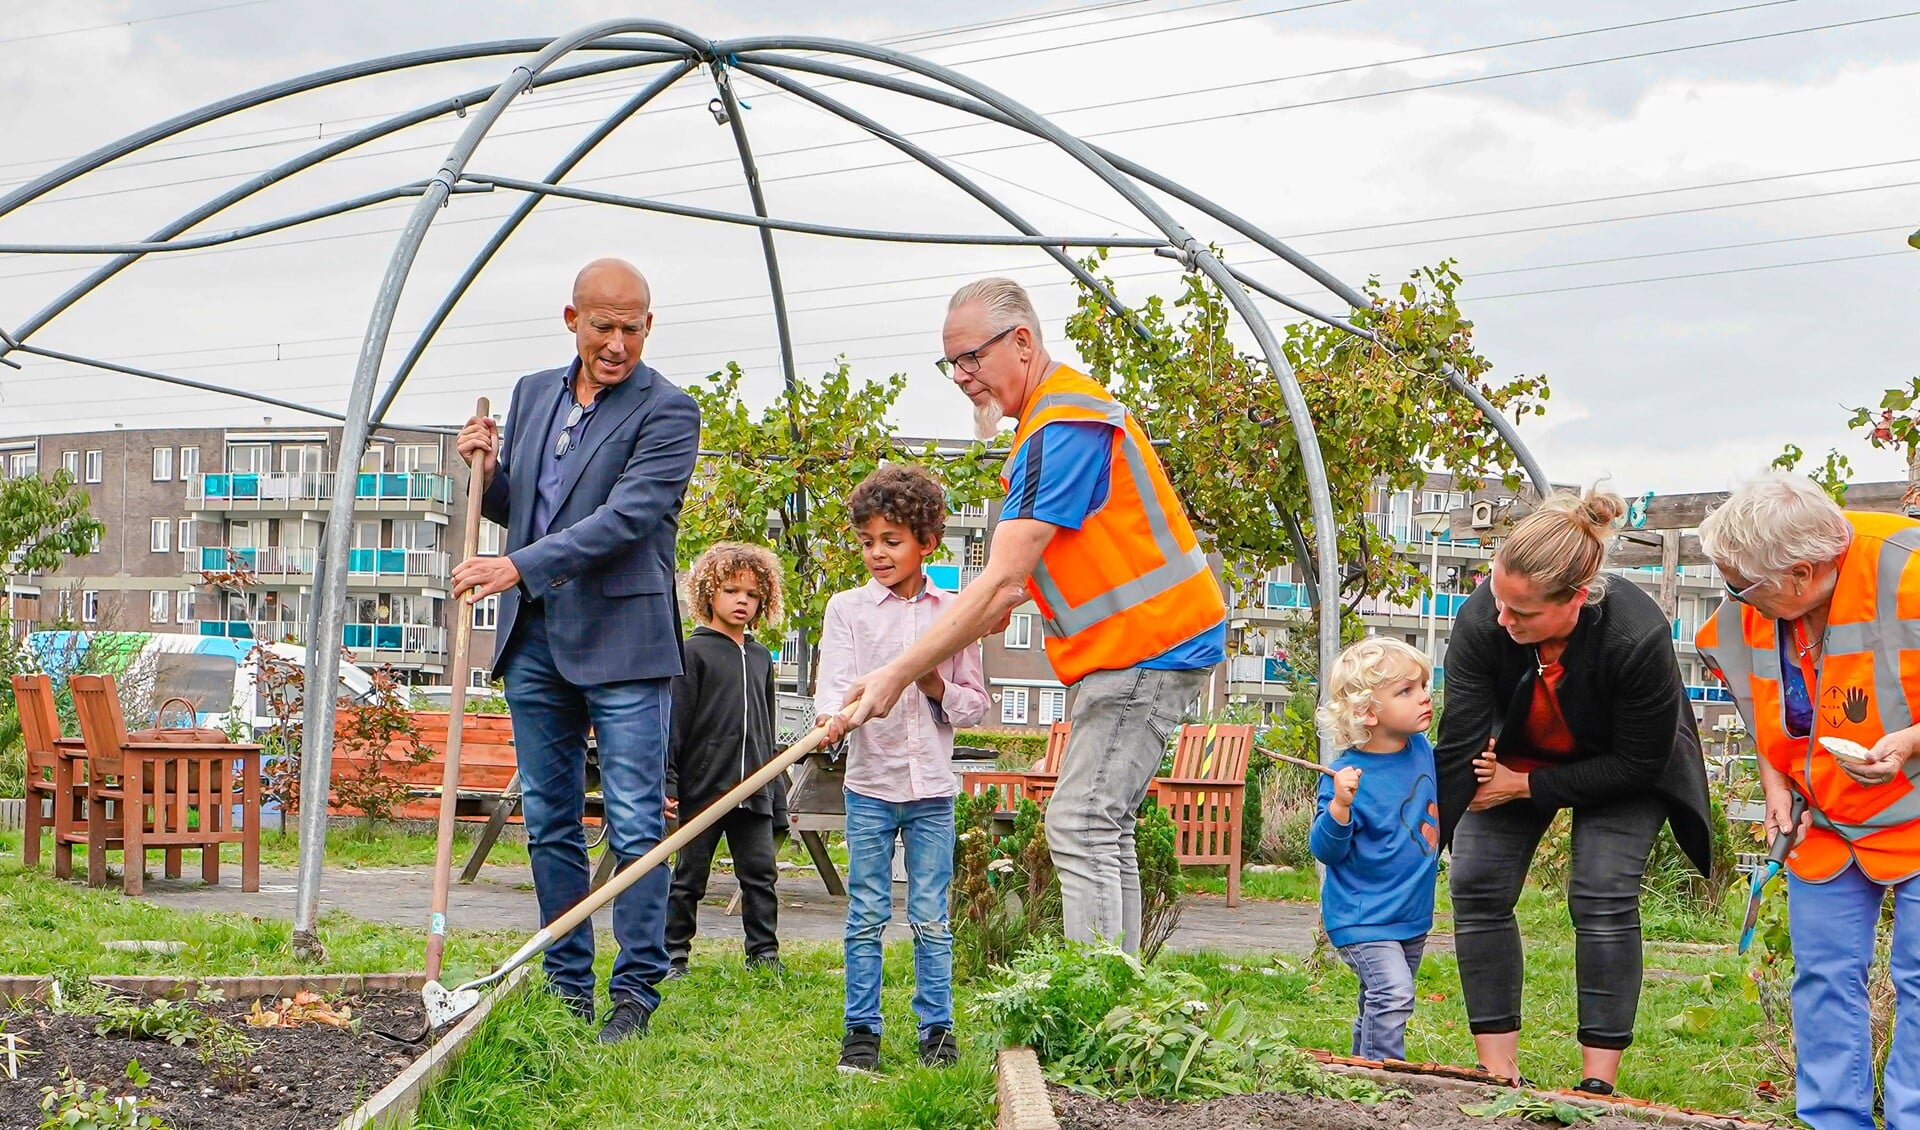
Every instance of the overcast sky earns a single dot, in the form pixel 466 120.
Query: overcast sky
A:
pixel 1683 348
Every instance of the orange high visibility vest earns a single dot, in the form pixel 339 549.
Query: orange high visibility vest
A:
pixel 1868 685
pixel 1132 581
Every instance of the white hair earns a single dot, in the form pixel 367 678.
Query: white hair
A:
pixel 1361 670
pixel 1006 303
pixel 1772 523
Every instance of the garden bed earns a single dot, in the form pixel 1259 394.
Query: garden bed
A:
pixel 1429 1105
pixel 311 1075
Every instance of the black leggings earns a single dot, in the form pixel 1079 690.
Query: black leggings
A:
pixel 1491 853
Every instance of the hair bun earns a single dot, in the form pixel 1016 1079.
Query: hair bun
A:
pixel 1600 509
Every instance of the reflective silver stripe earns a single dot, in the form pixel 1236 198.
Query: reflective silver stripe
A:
pixel 1738 667
pixel 1901 812
pixel 1178 565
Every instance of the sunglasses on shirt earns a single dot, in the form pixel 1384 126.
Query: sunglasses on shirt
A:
pixel 566 434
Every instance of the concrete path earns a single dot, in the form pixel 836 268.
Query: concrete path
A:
pixel 502 899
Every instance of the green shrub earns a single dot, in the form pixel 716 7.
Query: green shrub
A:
pixel 1013 751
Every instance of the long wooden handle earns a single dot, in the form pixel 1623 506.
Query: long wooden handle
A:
pixel 1313 765
pixel 456 719
pixel 630 874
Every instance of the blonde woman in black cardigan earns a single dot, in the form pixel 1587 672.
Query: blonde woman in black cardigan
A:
pixel 1562 691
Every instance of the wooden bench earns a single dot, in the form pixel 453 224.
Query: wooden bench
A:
pixel 1205 795
pixel 1035 784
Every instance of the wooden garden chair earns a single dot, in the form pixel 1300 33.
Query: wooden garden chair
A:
pixel 51 783
pixel 1206 794
pixel 175 790
pixel 1035 784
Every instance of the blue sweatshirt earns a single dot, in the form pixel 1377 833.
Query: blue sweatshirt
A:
pixel 1382 864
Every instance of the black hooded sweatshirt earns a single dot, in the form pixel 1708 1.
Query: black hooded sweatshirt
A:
pixel 722 722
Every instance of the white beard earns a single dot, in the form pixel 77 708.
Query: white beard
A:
pixel 986 418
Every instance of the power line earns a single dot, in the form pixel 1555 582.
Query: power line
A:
pixel 135 20
pixel 1693 275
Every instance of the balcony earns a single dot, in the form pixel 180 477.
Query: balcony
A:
pixel 386 568
pixel 403 645
pixel 307 490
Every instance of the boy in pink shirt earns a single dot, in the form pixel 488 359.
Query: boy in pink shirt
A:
pixel 899 781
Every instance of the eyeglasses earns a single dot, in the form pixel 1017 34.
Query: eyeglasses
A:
pixel 1740 596
pixel 969 362
pixel 566 434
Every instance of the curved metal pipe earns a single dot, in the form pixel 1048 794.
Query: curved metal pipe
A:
pixel 804 227
pixel 1319 492
pixel 512 224
pixel 260 96
pixel 314 156
pixel 952 175
pixel 330 573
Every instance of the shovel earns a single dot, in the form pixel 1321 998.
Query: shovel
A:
pixel 456 720
pixel 1776 859
pixel 445 1005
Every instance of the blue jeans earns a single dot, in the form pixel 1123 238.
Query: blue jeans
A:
pixel 1832 926
pixel 630 720
pixel 1386 970
pixel 872 827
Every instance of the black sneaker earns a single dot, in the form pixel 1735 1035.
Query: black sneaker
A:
pixel 675 971
pixel 627 1021
pixel 937 1048
pixel 1595 1087
pixel 860 1052
pixel 766 963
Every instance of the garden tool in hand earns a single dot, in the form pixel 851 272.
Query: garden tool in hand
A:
pixel 456 718
pixel 1776 860
pixel 445 1005
pixel 1301 762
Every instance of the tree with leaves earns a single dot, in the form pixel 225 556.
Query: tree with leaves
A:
pixel 781 477
pixel 43 521
pixel 1385 416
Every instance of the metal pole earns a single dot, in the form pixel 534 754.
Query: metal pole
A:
pixel 1433 589
pixel 330 574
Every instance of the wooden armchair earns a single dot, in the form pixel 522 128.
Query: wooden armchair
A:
pixel 1036 784
pixel 1206 794
pixel 51 782
pixel 171 795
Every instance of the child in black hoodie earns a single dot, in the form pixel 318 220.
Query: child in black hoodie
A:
pixel 722 731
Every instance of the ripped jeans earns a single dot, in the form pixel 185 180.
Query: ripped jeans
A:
pixel 873 826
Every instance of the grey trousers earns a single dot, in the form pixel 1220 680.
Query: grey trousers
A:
pixel 1121 723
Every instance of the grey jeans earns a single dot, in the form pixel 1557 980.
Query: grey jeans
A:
pixel 1121 723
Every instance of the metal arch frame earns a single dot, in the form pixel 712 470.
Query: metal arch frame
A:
pixel 761 58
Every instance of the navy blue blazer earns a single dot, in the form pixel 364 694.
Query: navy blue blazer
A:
pixel 604 572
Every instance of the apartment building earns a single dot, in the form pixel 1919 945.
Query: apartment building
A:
pixel 216 531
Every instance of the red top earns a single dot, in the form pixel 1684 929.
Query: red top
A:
pixel 1547 739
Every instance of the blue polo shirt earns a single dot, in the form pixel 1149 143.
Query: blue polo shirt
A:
pixel 1062 474
pixel 553 468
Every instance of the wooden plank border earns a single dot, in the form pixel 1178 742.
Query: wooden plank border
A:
pixel 394 1106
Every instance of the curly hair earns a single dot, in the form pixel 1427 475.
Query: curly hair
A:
pixel 724 560
pixel 905 494
pixel 1360 671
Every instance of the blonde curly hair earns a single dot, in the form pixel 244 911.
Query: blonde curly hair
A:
pixel 1360 671
pixel 724 560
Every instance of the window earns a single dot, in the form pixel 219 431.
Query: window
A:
pixel 189 462
pixel 162 538
pixel 95 547
pixel 188 538
pixel 96 466
pixel 1053 705
pixel 416 457
pixel 1013 706
pixel 158 607
pixel 248 458
pixel 70 463
pixel 66 606
pixel 163 464
pixel 183 607
pixel 479 679
pixel 89 607
pixel 493 539
pixel 1020 634
pixel 486 614
pixel 24 464
pixel 301 458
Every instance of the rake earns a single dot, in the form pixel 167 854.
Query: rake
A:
pixel 445 1005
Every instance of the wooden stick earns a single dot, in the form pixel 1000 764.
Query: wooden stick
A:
pixel 1313 765
pixel 456 719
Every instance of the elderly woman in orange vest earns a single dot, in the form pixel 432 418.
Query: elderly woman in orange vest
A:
pixel 1819 639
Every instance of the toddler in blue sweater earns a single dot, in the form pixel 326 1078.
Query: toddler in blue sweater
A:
pixel 1379 840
